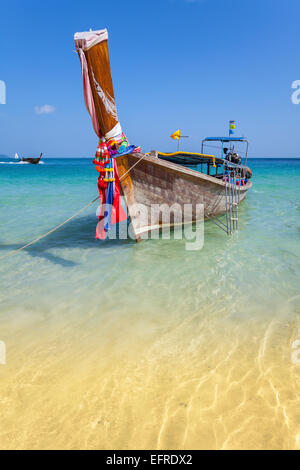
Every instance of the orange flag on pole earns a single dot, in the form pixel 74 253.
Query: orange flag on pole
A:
pixel 176 135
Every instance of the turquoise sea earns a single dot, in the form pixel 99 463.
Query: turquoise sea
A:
pixel 116 345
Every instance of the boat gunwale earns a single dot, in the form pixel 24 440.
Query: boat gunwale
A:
pixel 176 168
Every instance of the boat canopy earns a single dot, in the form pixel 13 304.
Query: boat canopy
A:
pixel 189 158
pixel 195 159
pixel 225 139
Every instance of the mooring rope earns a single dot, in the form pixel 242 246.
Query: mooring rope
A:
pixel 14 252
pixel 140 159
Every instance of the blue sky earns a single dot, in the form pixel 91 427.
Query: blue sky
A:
pixel 175 64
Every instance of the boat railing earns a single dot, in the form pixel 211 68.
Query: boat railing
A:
pixel 229 164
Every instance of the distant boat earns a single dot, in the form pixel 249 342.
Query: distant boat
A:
pixel 32 160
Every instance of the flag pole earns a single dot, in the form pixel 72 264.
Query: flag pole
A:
pixel 230 131
pixel 181 137
pixel 177 136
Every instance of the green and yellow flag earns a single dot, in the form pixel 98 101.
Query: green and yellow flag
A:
pixel 232 126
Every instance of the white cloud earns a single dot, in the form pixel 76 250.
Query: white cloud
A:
pixel 45 109
pixel 2 92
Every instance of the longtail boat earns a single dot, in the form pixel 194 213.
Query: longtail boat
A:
pixel 32 160
pixel 153 179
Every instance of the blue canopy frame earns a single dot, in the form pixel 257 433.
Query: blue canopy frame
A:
pixel 227 140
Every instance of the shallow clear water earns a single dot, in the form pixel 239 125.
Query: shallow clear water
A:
pixel 124 345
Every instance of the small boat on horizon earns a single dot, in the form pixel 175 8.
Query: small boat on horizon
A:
pixel 33 160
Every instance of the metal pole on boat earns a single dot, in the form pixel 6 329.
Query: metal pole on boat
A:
pixel 235 199
pixel 181 137
pixel 247 149
pixel 239 192
pixel 229 200
pixel 225 178
pixel 236 203
pixel 236 207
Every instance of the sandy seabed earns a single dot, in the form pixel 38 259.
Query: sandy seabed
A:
pixel 204 382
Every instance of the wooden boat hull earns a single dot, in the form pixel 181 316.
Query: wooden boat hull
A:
pixel 34 161
pixel 149 181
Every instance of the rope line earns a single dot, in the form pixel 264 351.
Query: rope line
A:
pixel 14 252
pixel 140 159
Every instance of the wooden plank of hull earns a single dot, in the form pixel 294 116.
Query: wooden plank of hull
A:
pixel 153 181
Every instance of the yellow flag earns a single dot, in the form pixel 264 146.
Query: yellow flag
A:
pixel 176 135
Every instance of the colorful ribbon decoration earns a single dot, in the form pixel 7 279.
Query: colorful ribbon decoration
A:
pixel 111 210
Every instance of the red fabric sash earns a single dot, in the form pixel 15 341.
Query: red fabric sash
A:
pixel 117 212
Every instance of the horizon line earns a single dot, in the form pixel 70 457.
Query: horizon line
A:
pixel 87 158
